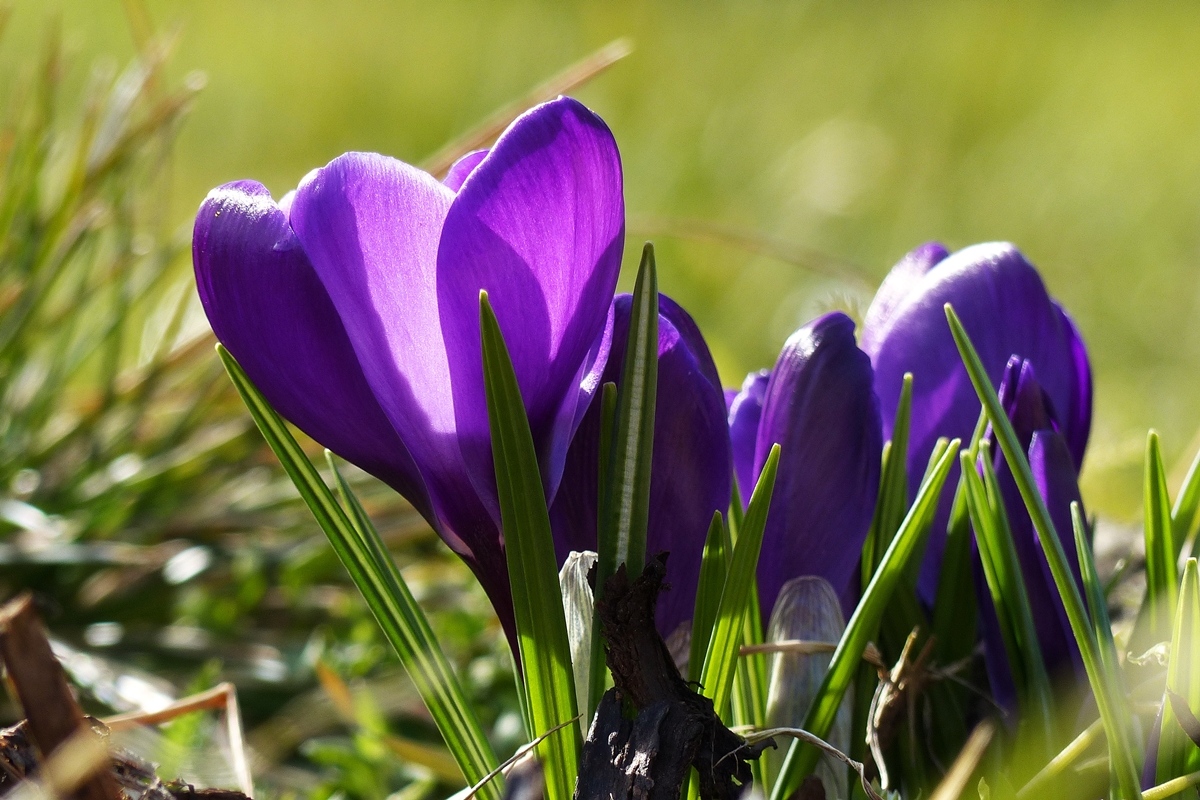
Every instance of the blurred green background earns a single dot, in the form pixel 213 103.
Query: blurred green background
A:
pixel 852 130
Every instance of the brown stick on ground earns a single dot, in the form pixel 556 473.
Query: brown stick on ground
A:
pixel 41 686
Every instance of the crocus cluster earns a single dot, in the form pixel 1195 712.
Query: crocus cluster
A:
pixel 1035 356
pixel 353 305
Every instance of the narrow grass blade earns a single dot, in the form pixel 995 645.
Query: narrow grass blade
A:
pixel 626 451
pixel 893 486
pixel 721 657
pixel 545 651
pixel 955 615
pixel 708 595
pixel 388 597
pixel 863 625
pixel 954 608
pixel 749 698
pixel 1002 571
pixel 1123 751
pixel 599 670
pixel 623 537
pixel 1096 603
pixel 1162 574
pixel 1185 521
pixel 1177 753
pixel 750 679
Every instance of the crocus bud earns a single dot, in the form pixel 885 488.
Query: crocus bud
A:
pixel 807 619
pixel 820 407
pixel 1028 408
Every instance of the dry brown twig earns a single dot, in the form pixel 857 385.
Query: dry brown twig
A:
pixel 54 717
pixel 897 691
pixel 223 696
pixel 965 763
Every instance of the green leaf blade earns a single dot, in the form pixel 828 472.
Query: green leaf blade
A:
pixel 623 540
pixel 388 597
pixel 721 657
pixel 1162 552
pixel 545 651
pixel 708 595
pixel 1002 570
pixel 1117 725
pixel 1177 753
pixel 627 451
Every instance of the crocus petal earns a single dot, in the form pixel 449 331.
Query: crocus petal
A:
pixel 1005 308
pixel 1150 764
pixel 371 225
pixel 745 411
pixel 821 408
pixel 690 470
pixel 461 169
pixel 1077 423
pixel 689 331
pixel 1054 473
pixel 900 281
pixel 1022 398
pixel 267 306
pixel 539 225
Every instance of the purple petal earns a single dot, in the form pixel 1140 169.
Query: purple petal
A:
pixel 1150 764
pixel 461 169
pixel 1054 472
pixel 690 468
pixel 268 307
pixel 745 411
pixel 370 225
pixel 820 406
pixel 1024 401
pixel 1077 417
pixel 900 281
pixel 687 328
pixel 1004 306
pixel 540 225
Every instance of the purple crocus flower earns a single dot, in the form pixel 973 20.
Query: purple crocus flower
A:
pixel 819 404
pixel 353 304
pixel 690 470
pixel 1030 412
pixel 1004 305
